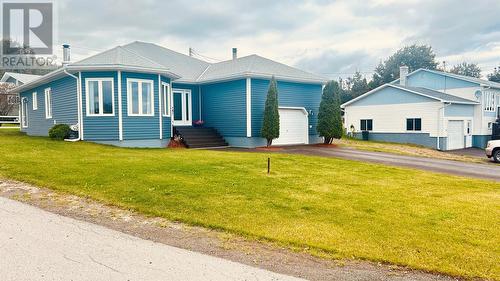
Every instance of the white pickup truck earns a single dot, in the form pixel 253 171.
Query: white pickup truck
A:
pixel 493 150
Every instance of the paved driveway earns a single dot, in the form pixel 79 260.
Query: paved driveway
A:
pixel 37 245
pixel 483 171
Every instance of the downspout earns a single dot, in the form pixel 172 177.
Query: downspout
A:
pixel 78 103
pixel 440 115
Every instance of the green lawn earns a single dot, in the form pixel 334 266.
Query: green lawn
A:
pixel 337 208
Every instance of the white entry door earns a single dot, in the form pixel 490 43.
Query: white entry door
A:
pixel 456 136
pixel 182 115
pixel 293 126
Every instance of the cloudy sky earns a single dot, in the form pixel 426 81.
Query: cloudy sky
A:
pixel 332 38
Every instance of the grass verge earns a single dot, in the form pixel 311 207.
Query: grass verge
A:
pixel 346 209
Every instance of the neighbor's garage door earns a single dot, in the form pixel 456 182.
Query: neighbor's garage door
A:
pixel 293 127
pixel 456 135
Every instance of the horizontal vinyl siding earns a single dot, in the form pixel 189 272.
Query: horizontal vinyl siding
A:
pixel 436 81
pixel 391 118
pixel 140 127
pixel 100 127
pixel 64 106
pixel 289 94
pixel 224 107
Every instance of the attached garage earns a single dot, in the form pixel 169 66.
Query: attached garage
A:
pixel 294 126
pixel 456 136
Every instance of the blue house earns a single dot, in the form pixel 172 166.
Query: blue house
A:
pixel 437 109
pixel 142 94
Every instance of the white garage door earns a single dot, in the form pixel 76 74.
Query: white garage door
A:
pixel 293 126
pixel 455 135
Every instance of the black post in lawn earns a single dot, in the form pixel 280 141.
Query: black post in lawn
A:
pixel 268 165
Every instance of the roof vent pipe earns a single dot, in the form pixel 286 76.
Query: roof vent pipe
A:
pixel 235 53
pixel 66 54
pixel 403 73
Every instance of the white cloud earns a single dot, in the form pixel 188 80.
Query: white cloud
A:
pixel 323 36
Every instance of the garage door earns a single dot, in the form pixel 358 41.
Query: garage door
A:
pixel 293 127
pixel 456 135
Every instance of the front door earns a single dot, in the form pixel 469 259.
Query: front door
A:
pixel 182 114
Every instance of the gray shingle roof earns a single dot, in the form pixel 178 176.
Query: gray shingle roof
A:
pixel 436 94
pixel 119 56
pixel 193 70
pixel 21 77
pixel 188 68
pixel 256 66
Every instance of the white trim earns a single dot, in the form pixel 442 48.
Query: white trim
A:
pixel 120 106
pixel 186 120
pixel 80 94
pixel 100 96
pixel 139 98
pixel 199 103
pixel 249 106
pixel 167 108
pixel 48 102
pixel 303 109
pixel 24 113
pixel 171 110
pixel 160 105
pixel 34 100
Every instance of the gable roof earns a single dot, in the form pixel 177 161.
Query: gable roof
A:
pixel 432 94
pixel 479 81
pixel 21 77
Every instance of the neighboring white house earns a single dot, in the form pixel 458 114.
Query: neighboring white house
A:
pixel 427 107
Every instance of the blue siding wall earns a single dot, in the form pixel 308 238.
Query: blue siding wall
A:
pixel 459 110
pixel 289 94
pixel 390 95
pixel 224 107
pixel 100 127
pixel 140 127
pixel 436 81
pixel 423 139
pixel 195 98
pixel 64 106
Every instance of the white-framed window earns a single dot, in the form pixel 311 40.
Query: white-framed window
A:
pixel 100 96
pixel 413 124
pixel 489 101
pixel 35 100
pixel 165 91
pixel 48 103
pixel 140 98
pixel 366 124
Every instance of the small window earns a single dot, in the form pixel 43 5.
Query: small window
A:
pixel 140 97
pixel 366 125
pixel 100 97
pixel 48 103
pixel 166 99
pixel 35 101
pixel 490 126
pixel 414 124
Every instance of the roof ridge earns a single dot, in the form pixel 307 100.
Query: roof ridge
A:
pixel 143 57
pixel 165 48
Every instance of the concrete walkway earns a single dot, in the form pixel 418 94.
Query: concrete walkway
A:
pixel 38 245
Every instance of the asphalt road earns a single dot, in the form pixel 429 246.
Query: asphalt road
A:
pixel 38 245
pixel 483 171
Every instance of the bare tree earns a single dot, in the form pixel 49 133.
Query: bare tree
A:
pixel 9 103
